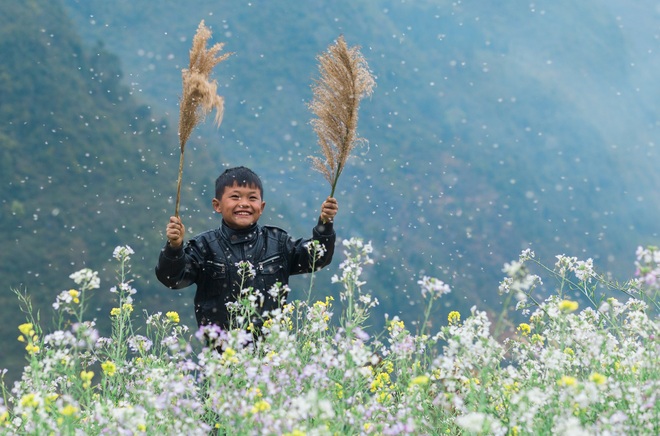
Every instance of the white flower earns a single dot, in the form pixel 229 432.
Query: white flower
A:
pixel 87 278
pixel 472 422
pixel 246 269
pixel 584 270
pixel 433 286
pixel 122 253
pixel 511 269
pixel 316 249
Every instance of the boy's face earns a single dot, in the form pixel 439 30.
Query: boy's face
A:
pixel 240 206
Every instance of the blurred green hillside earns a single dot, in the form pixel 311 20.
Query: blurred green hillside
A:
pixel 492 128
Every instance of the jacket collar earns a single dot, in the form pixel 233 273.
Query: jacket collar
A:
pixel 239 236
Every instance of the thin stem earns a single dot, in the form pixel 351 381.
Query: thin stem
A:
pixel 178 187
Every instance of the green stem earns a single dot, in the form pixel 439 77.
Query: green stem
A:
pixel 178 185
pixel 336 179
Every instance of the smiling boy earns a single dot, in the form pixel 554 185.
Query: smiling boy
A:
pixel 215 259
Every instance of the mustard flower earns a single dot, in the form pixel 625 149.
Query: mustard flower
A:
pixel 295 433
pixel 597 378
pixel 27 329
pixel 538 339
pixel 396 325
pixel 109 368
pixel 86 377
pixel 454 317
pixel 260 406
pixel 524 329
pixel 68 410
pixel 567 380
pixel 30 400
pixel 173 317
pixel 32 349
pixel 74 295
pixel 568 306
pixel 420 380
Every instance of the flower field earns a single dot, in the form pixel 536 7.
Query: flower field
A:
pixel 314 370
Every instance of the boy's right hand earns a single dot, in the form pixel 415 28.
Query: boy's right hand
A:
pixel 175 232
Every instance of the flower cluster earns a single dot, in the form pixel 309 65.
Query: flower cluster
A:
pixel 567 367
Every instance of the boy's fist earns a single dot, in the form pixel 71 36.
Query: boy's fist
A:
pixel 175 232
pixel 329 209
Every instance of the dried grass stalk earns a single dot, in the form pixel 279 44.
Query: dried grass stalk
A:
pixel 345 80
pixel 199 92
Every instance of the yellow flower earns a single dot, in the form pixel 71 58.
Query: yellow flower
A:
pixel 295 433
pixel 537 339
pixel 4 417
pixel 597 378
pixel 568 306
pixel 524 329
pixel 396 324
pixel 109 368
pixel 68 410
pixel 50 398
pixel 75 295
pixel 268 323
pixel 127 307
pixel 420 380
pixel 453 317
pixel 115 311
pixel 32 349
pixel 229 356
pixel 384 397
pixel 30 400
pixel 567 380
pixel 86 376
pixel 260 406
pixel 141 428
pixel 569 351
pixel 173 317
pixel 26 329
pixel 339 390
pixel 381 380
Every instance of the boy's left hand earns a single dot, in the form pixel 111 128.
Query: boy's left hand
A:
pixel 329 209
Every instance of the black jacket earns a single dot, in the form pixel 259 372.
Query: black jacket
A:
pixel 210 261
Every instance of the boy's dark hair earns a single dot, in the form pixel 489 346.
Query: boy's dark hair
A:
pixel 242 176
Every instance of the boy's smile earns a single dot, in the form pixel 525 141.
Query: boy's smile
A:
pixel 240 206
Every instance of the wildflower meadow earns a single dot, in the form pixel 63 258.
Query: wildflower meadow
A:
pixel 567 365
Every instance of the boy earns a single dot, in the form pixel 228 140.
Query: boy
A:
pixel 216 260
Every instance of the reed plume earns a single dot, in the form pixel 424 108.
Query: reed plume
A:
pixel 345 80
pixel 199 95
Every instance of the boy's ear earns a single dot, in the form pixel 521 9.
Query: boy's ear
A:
pixel 216 205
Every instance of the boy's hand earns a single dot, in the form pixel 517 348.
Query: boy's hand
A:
pixel 329 209
pixel 175 232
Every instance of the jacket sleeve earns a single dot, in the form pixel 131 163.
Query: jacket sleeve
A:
pixel 302 258
pixel 178 267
